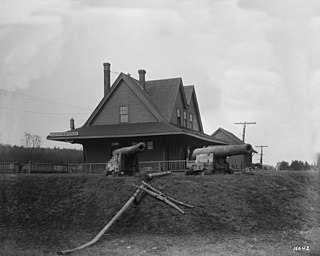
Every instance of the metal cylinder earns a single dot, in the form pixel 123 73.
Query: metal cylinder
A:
pixel 131 150
pixel 224 151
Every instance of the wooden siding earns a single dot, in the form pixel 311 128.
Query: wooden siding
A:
pixel 100 151
pixel 190 109
pixel 236 162
pixel 165 148
pixel 178 104
pixel 240 161
pixel 96 151
pixel 221 136
pixel 122 96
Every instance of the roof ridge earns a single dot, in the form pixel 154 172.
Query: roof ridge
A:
pixel 148 98
pixel 155 80
pixel 163 94
pixel 228 133
pixel 131 82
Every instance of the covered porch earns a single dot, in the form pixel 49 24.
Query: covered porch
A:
pixel 164 142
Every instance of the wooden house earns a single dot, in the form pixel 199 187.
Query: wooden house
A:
pixel 238 161
pixel 162 113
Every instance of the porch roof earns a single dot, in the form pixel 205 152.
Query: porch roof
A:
pixel 129 130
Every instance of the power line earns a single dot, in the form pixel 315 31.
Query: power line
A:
pixel 43 113
pixel 42 100
pixel 245 123
pixel 261 153
pixel 283 121
pixel 114 72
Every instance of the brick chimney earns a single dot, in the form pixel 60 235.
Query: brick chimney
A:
pixel 142 78
pixel 106 70
pixel 72 124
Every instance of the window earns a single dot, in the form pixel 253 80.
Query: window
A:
pixel 184 119
pixel 149 145
pixel 124 114
pixel 191 120
pixel 178 116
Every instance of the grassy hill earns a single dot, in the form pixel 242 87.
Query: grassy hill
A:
pixel 50 208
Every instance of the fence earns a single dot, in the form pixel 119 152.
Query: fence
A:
pixel 152 166
pixel 13 167
pixel 87 168
pixel 8 167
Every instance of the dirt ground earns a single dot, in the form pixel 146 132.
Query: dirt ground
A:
pixel 267 213
pixel 215 243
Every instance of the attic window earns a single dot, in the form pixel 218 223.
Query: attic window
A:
pixel 124 114
pixel 178 116
pixel 191 120
pixel 184 119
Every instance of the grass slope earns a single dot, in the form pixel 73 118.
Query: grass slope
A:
pixel 45 210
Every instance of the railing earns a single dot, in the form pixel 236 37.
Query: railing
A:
pixel 152 166
pixel 9 167
pixel 13 167
pixel 45 168
pixel 87 168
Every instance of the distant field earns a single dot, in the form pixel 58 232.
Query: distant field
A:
pixel 267 213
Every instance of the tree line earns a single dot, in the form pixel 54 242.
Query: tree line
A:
pixel 32 151
pixel 295 165
pixel 24 154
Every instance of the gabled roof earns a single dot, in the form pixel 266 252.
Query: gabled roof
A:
pixel 188 91
pixel 159 97
pixel 164 92
pixel 136 88
pixel 129 130
pixel 230 135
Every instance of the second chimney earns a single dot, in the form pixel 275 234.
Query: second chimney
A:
pixel 142 78
pixel 106 70
pixel 72 124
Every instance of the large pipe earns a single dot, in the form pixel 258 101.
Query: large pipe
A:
pixel 138 148
pixel 98 236
pixel 224 151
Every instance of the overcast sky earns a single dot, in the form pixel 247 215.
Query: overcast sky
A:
pixel 250 60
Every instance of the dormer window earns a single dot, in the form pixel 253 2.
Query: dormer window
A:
pixel 178 116
pixel 124 114
pixel 184 118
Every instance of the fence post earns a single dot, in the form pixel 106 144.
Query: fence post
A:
pixel 29 167
pixel 90 165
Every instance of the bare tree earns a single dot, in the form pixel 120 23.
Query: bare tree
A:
pixel 32 143
pixel 32 140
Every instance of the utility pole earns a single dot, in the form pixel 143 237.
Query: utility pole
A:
pixel 261 153
pixel 245 123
